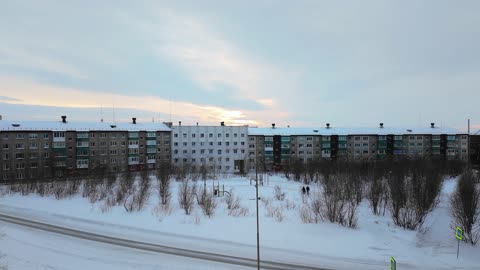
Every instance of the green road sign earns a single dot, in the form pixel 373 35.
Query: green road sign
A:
pixel 459 233
pixel 393 264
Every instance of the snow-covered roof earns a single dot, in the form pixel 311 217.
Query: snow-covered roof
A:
pixel 350 131
pixel 80 126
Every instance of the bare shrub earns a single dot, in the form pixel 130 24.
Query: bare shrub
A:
pixel 289 205
pixel 186 194
pixel 278 194
pixel 376 189
pixel 238 212
pixel 275 212
pixel 266 201
pixel 208 204
pixel 307 215
pixel 414 194
pixel 465 206
pixel 144 191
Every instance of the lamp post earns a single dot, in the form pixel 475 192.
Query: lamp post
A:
pixel 258 231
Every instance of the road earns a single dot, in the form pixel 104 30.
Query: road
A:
pixel 153 247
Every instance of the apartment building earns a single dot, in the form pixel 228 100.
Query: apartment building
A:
pixel 330 143
pixel 32 150
pixel 220 148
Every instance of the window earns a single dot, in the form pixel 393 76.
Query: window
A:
pixel 33 146
pixel 184 143
pixel 202 135
pixel 5 146
pixel 33 136
pixel 92 135
pixel 210 151
pixel 5 136
pixel 193 143
pixel 166 142
pixel 242 135
pixel 193 151
pixel 46 145
pixel 309 144
pixel 6 156
pixel 19 146
pixel 113 152
pixel 46 136
pixel 234 143
pixel 6 166
pixel 184 151
pixel 20 136
pixel 227 135
pixel 58 134
pixel 365 138
pixel 219 152
pixel 103 135
pixel 20 166
pixel 252 139
pixel 184 135
pixel 357 138
pixel 210 143
pixel 175 144
pixel 309 138
pixel 202 151
pixel 34 165
pixel 210 135
pixel 227 143
pixel 219 143
pixel 175 135
pixel 242 143
pixel 103 144
pixel 219 135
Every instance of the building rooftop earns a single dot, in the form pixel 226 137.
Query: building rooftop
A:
pixel 79 126
pixel 351 131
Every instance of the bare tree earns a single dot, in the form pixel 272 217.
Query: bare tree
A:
pixel 163 177
pixel 465 206
pixel 186 194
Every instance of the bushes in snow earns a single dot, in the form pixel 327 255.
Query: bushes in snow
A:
pixel 414 194
pixel 186 196
pixel 465 206
pixel 233 205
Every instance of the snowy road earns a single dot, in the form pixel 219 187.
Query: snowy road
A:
pixel 239 261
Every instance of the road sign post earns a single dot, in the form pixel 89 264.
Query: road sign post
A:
pixel 459 236
pixel 393 264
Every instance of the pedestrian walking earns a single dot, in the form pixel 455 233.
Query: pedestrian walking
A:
pixel 308 191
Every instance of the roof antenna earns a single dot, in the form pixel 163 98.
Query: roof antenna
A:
pixel 101 113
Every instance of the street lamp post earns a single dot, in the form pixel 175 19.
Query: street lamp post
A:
pixel 258 230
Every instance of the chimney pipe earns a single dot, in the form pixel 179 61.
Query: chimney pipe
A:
pixel 328 125
pixel 222 123
pixel 134 120
pixel 179 123
pixel 381 125
pixel 432 125
pixel 273 125
pixel 64 119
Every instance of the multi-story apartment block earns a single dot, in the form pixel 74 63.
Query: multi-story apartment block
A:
pixel 218 148
pixel 352 144
pixel 32 150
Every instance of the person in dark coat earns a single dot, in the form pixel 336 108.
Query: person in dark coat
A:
pixel 303 190
pixel 308 190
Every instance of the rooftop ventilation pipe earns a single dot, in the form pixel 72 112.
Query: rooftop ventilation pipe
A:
pixel 432 125
pixel 328 125
pixel 64 119
pixel 222 123
pixel 381 125
pixel 273 125
pixel 134 120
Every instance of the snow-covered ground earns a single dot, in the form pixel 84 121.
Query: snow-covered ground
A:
pixel 289 240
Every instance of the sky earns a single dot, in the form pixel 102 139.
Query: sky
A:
pixel 296 63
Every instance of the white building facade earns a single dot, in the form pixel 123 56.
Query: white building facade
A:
pixel 221 149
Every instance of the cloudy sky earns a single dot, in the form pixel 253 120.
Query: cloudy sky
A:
pixel 297 63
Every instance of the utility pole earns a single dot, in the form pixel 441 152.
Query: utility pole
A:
pixel 258 231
